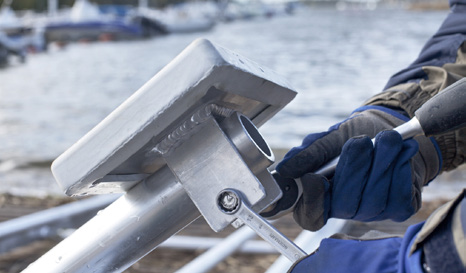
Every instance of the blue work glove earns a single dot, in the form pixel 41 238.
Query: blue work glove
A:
pixel 370 183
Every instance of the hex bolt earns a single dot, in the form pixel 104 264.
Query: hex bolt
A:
pixel 228 201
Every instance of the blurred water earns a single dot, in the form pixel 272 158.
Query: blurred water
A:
pixel 334 59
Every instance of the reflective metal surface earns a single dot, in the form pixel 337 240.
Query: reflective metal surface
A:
pixel 173 146
pixel 125 231
pixel 48 223
pixel 119 152
pixel 249 143
pixel 208 161
pixel 407 130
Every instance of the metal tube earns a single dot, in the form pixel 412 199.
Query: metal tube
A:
pixel 309 241
pixel 407 130
pixel 218 253
pixel 124 232
pixel 43 224
pixel 410 129
pixel 206 243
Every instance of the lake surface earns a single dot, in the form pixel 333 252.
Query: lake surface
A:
pixel 334 59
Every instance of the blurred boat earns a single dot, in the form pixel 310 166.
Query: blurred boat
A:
pixel 11 46
pixel 252 9
pixel 185 17
pixel 86 22
pixel 9 22
pixel 17 38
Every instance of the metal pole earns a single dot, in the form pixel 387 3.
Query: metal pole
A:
pixel 309 242
pixel 43 224
pixel 124 232
pixel 218 253
pixel 206 243
pixel 52 7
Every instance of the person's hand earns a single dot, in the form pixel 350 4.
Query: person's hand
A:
pixel 341 254
pixel 370 183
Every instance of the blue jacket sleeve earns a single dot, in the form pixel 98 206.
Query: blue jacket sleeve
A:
pixel 441 62
pixel 440 49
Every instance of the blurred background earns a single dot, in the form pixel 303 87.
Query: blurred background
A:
pixel 66 64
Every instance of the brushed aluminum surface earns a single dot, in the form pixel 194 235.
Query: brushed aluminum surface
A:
pixel 116 154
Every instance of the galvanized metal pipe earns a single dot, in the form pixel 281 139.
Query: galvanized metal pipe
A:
pixel 124 232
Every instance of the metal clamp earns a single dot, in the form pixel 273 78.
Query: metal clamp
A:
pixel 222 153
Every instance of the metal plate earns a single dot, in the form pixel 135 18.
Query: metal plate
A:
pixel 119 149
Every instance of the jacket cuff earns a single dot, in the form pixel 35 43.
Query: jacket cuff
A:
pixel 408 97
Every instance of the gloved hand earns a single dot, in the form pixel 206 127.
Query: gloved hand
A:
pixel 370 183
pixel 343 255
